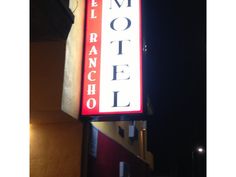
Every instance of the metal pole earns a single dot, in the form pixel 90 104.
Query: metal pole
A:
pixel 85 148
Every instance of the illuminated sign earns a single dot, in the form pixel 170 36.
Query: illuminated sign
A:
pixel 112 82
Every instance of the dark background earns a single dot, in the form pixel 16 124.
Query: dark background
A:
pixel 175 75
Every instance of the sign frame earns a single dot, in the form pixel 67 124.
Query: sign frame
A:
pixel 123 115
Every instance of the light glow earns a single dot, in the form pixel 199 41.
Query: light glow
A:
pixel 200 149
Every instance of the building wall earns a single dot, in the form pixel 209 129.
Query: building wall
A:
pixel 46 75
pixel 109 154
pixel 137 147
pixel 111 129
pixel 55 137
pixel 55 150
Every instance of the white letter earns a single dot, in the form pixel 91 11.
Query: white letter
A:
pixel 92 62
pixel 93 50
pixel 94 3
pixel 91 89
pixel 90 76
pixel 93 14
pixel 93 37
pixel 92 102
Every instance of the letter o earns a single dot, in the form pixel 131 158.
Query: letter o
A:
pixel 91 103
pixel 113 21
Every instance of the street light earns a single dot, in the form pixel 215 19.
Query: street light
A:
pixel 197 150
pixel 200 150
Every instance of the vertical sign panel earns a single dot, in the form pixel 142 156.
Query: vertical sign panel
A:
pixel 113 58
pixel 73 61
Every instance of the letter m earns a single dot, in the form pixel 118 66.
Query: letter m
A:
pixel 119 3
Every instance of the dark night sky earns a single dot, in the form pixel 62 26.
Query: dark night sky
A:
pixel 175 75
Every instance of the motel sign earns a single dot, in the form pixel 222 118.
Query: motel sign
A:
pixel 112 80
